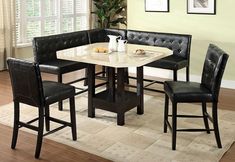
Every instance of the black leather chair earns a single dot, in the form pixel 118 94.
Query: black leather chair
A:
pixel 45 48
pixel 179 43
pixel 32 91
pixel 204 92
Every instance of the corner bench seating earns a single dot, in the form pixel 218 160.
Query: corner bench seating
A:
pixel 45 49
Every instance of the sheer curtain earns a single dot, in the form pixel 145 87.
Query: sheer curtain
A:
pixel 7 31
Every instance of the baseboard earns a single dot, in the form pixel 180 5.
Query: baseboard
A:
pixel 167 74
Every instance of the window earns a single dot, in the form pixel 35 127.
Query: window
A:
pixel 46 17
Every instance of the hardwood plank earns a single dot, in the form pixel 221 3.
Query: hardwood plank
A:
pixel 51 151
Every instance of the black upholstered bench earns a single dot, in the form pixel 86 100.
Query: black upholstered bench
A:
pixel 45 49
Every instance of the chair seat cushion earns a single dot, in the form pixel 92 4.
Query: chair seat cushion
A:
pixel 54 91
pixel 187 91
pixel 60 66
pixel 171 62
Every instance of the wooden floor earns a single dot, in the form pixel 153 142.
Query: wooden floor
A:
pixel 56 152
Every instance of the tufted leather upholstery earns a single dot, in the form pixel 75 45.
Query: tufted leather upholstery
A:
pixel 208 89
pixel 204 92
pixel 45 51
pixel 179 43
pixel 100 35
pixel 213 69
pixel 45 47
pixel 33 91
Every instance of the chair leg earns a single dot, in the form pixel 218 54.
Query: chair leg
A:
pixel 73 118
pixel 86 76
pixel 187 73
pixel 215 124
pixel 175 75
pixel 205 118
pixel 60 103
pixel 166 112
pixel 16 124
pixel 174 124
pixel 40 132
pixel 47 116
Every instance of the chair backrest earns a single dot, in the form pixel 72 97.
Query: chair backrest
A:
pixel 26 82
pixel 213 69
pixel 44 48
pixel 100 35
pixel 179 43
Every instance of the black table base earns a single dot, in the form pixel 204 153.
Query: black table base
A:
pixel 115 98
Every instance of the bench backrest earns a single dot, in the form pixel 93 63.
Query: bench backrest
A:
pixel 44 48
pixel 179 43
pixel 101 35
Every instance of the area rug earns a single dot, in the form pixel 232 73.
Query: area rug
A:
pixel 141 139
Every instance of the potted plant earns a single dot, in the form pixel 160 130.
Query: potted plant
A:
pixel 110 12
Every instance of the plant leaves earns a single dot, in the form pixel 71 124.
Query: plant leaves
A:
pixel 110 12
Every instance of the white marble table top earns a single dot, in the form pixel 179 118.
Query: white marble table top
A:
pixel 86 54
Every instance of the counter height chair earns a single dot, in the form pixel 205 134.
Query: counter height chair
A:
pixel 33 91
pixel 45 48
pixel 191 92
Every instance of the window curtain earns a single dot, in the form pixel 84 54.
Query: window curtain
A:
pixel 7 31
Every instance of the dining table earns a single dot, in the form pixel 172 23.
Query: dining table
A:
pixel 115 97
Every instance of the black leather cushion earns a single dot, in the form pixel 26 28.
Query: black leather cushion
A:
pixel 187 91
pixel 101 35
pixel 60 66
pixel 171 62
pixel 54 91
pixel 179 43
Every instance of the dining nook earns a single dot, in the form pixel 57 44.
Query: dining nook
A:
pixel 117 80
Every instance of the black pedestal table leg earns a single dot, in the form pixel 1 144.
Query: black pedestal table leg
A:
pixel 91 90
pixel 140 90
pixel 111 82
pixel 120 95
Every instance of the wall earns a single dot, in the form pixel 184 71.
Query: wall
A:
pixel 24 52
pixel 218 29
